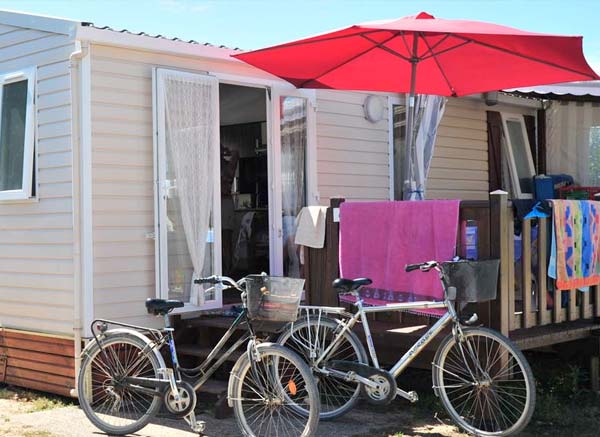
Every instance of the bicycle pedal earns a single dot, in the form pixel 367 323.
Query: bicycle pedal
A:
pixel 414 396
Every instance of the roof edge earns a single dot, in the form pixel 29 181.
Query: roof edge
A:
pixel 40 22
pixel 108 36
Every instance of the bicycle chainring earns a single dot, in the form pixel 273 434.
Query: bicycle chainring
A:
pixel 384 393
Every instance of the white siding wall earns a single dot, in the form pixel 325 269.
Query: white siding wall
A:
pixel 36 237
pixel 352 153
pixel 122 174
pixel 459 169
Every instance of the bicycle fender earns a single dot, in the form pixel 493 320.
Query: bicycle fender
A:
pixel 120 331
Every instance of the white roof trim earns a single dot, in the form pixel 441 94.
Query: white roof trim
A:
pixel 586 88
pixel 39 22
pixel 144 42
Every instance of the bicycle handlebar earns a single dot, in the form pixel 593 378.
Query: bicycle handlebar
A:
pixel 424 267
pixel 216 280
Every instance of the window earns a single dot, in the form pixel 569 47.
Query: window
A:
pixel 518 153
pixel 16 135
pixel 399 143
pixel 594 161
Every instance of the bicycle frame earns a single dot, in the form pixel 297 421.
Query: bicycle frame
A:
pixel 165 337
pixel 418 347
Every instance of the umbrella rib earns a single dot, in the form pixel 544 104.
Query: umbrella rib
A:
pixel 437 62
pixel 434 55
pixel 429 52
pixel 329 70
pixel 531 58
pixel 387 49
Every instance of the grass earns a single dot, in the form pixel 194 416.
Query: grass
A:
pixel 34 401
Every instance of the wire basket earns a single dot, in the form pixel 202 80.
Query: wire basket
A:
pixel 475 281
pixel 272 298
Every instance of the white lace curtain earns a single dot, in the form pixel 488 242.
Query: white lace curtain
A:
pixel 293 164
pixel 192 140
pixel 573 141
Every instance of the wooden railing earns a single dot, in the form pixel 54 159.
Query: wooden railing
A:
pixel 521 302
pixel 525 287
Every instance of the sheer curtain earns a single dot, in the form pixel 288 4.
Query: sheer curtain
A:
pixel 192 140
pixel 430 110
pixel 573 141
pixel 293 181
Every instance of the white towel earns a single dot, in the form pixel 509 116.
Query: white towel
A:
pixel 311 226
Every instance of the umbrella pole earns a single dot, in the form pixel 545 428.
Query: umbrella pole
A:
pixel 410 120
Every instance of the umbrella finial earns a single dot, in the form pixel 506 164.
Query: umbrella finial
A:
pixel 424 15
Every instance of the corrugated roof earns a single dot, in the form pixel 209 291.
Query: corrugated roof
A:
pixel 191 41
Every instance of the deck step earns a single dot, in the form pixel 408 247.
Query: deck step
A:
pixel 195 350
pixel 214 386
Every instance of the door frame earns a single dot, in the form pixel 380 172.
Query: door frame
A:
pixel 274 89
pixel 160 213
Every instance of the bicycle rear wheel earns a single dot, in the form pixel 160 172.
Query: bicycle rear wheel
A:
pixel 309 338
pixel 108 402
pixel 484 383
pixel 270 395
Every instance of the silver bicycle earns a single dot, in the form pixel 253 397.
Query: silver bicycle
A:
pixel 483 381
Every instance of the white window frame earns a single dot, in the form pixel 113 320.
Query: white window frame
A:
pixel 29 142
pixel 396 99
pixel 508 146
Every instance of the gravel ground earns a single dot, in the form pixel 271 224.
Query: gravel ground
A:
pixel 15 420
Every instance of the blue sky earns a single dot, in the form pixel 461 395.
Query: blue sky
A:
pixel 252 24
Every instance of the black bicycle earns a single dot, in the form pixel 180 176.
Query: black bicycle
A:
pixel 124 379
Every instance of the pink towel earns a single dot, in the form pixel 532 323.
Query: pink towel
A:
pixel 377 239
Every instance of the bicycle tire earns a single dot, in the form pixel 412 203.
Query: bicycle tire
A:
pixel 287 381
pixel 502 384
pixel 96 371
pixel 337 396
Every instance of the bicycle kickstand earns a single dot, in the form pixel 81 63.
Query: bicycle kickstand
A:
pixel 197 426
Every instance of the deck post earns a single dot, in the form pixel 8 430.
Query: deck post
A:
pixel 499 239
pixel 323 264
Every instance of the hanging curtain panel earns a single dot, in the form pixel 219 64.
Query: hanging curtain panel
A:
pixel 430 110
pixel 191 142
pixel 293 176
pixel 573 141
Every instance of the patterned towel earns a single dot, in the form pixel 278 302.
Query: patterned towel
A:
pixel 575 248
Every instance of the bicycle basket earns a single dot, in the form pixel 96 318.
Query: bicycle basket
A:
pixel 475 281
pixel 273 299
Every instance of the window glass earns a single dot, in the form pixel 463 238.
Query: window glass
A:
pixel 399 148
pixel 594 162
pixel 293 177
pixel 521 152
pixel 12 135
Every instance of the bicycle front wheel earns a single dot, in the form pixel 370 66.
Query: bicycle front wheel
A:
pixel 270 395
pixel 484 383
pixel 108 402
pixel 309 338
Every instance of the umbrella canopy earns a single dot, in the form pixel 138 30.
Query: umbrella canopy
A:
pixel 425 55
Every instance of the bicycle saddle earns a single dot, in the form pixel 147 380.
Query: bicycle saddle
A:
pixel 348 285
pixel 162 306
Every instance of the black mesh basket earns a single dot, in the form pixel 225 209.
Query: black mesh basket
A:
pixel 273 299
pixel 475 281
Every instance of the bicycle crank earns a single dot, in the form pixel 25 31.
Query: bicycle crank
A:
pixel 185 404
pixel 378 386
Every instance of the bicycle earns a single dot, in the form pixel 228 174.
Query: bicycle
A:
pixel 124 380
pixel 483 381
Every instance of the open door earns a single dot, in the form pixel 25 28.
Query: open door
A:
pixel 293 174
pixel 187 186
